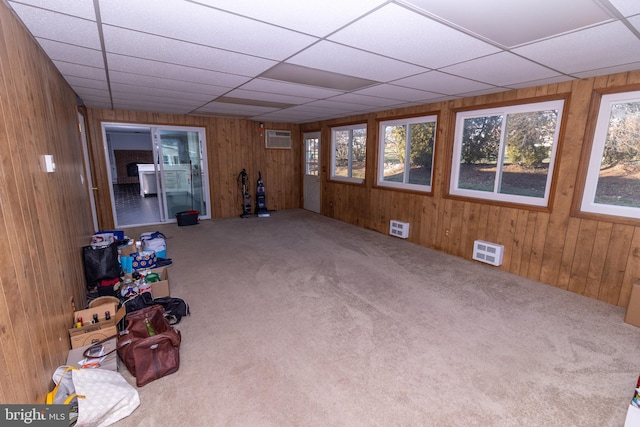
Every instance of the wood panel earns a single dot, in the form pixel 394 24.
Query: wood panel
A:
pixel 232 145
pixel 596 258
pixel 44 217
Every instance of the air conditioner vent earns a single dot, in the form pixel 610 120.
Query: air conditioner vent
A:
pixel 399 229
pixel 278 139
pixel 487 252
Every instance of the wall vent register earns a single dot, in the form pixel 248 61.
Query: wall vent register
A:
pixel 399 229
pixel 487 252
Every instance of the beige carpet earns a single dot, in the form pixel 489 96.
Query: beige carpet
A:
pixel 301 320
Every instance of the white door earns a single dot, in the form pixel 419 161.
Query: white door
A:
pixel 312 171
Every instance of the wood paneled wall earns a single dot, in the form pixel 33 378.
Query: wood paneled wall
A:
pixel 232 144
pixel 596 258
pixel 44 217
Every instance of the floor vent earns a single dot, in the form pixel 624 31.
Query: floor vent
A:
pixel 491 253
pixel 399 229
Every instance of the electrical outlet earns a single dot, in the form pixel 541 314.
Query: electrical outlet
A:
pixel 446 233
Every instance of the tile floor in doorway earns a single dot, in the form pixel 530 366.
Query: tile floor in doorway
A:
pixel 132 208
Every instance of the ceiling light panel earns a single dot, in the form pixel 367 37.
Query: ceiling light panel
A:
pixel 223 107
pixel 501 69
pixel 303 16
pixel 140 45
pixel 399 33
pixel 346 60
pixel 204 25
pixel 313 77
pixel 398 93
pixel 271 97
pixel 71 53
pixel 59 27
pixel 603 46
pixel 274 86
pixel 435 81
pixel 172 71
pixel 511 23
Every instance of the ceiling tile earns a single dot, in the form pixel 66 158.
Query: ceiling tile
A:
pixel 172 71
pixel 150 107
pixel 81 9
pixel 77 70
pixel 303 16
pixel 274 86
pixel 59 27
pixel 82 82
pixel 608 70
pixel 70 53
pixel 143 91
pixel 204 25
pixel 87 91
pixel 511 23
pixel 140 45
pixel 414 38
pixel 398 93
pixel 435 81
pixel 627 7
pixel 168 84
pixel 125 96
pixel 365 100
pixel 346 60
pixel 559 79
pixel 606 45
pixel 337 106
pixel 501 69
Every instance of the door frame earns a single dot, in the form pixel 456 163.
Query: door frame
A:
pixel 154 129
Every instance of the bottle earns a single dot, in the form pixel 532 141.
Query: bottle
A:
pixel 107 315
pixel 150 329
pixel 95 318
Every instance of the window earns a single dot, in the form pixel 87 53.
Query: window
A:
pixel 506 153
pixel 349 152
pixel 406 147
pixel 613 174
pixel 312 144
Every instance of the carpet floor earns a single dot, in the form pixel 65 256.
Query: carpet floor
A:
pixel 302 320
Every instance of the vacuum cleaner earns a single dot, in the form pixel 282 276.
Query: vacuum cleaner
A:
pixel 246 197
pixel 261 198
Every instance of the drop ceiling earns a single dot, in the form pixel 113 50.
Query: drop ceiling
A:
pixel 295 61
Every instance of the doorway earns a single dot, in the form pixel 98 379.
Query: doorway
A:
pixel 312 171
pixel 155 172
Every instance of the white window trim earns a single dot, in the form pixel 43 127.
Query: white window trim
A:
pixel 595 160
pixel 334 177
pixel 401 185
pixel 512 109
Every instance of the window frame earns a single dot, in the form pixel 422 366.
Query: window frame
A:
pixel 592 159
pixel 523 106
pixel 350 178
pixel 406 121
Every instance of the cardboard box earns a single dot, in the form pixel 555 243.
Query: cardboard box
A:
pixel 159 289
pixel 127 250
pixel 110 361
pixel 633 308
pixel 92 333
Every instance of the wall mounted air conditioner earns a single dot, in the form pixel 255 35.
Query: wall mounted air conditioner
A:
pixel 490 253
pixel 278 139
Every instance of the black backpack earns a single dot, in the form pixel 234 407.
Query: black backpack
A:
pixel 174 308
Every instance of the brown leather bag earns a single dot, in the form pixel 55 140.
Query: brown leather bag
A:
pixel 149 357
